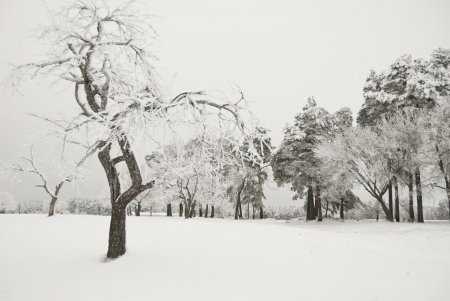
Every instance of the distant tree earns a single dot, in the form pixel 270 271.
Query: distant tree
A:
pixel 29 167
pixel 438 138
pixel 247 172
pixel 407 84
pixel 358 151
pixel 295 162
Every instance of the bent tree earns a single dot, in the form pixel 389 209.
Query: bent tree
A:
pixel 30 167
pixel 103 53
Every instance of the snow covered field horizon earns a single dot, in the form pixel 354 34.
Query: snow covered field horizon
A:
pixel 169 258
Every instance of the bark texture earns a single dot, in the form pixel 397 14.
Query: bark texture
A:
pixel 419 196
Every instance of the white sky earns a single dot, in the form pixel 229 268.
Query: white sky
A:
pixel 278 52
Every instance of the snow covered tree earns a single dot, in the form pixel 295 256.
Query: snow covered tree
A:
pixel 104 54
pixel 358 150
pixel 407 84
pixel 295 161
pixel 29 166
pixel 438 137
pixel 247 172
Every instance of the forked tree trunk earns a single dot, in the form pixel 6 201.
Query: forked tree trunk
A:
pixel 419 196
pixel 318 204
pixel 341 209
pixel 51 207
pixel 180 210
pixel 411 197
pixel 396 200
pixel 117 233
pixel 387 212
pixel 212 210
pixel 119 200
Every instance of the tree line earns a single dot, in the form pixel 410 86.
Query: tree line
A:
pixel 401 139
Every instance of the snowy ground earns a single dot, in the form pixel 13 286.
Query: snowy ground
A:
pixel 61 258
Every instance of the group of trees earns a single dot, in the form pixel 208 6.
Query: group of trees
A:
pixel 104 54
pixel 401 139
pixel 325 186
pixel 207 172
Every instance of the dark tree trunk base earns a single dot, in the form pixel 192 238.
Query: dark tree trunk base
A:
pixel 411 198
pixel 51 208
pixel 117 233
pixel 419 196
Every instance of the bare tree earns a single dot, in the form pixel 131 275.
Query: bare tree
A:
pixel 30 167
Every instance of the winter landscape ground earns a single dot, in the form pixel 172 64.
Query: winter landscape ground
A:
pixel 63 258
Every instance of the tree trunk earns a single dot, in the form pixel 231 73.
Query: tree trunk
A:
pixel 318 204
pixel 248 210
pixel 253 212
pixel 341 209
pixel 390 199
pixel 326 210
pixel 261 212
pixel 206 210
pixel 238 209
pixel 117 233
pixel 192 210
pixel 200 210
pixel 396 200
pixel 51 207
pixel 419 196
pixel 212 210
pixel 447 187
pixel 310 204
pixel 411 197
pixel 187 213
pixel 137 212
pixel 180 210
pixel 169 209
pixel 386 210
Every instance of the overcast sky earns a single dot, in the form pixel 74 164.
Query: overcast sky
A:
pixel 278 52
